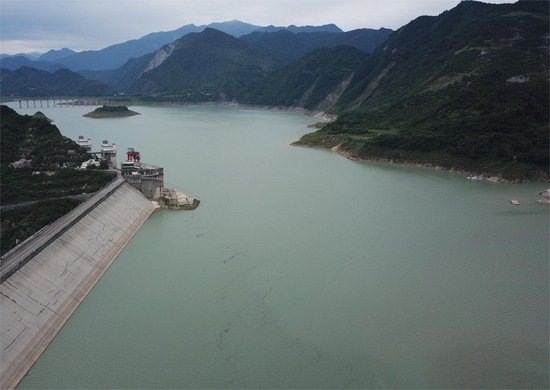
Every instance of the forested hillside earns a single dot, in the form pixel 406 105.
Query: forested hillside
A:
pixel 120 79
pixel 207 66
pixel 31 82
pixel 314 81
pixel 36 165
pixel 466 89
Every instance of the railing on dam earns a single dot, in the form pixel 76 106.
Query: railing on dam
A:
pixel 20 255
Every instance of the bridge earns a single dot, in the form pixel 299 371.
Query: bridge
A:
pixel 39 102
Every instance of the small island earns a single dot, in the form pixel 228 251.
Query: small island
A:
pixel 111 112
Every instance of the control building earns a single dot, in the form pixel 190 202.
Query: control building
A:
pixel 146 178
pixel 85 143
pixel 108 153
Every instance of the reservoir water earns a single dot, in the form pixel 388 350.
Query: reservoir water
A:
pixel 302 269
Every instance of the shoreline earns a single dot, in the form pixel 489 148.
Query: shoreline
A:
pixel 484 176
pixel 324 117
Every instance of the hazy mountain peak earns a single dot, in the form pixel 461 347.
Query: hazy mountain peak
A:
pixel 54 55
pixel 31 56
pixel 234 27
pixel 299 29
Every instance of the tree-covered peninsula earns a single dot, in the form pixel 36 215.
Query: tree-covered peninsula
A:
pixel 466 90
pixel 111 112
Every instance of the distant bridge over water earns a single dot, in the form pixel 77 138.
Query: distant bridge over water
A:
pixel 39 102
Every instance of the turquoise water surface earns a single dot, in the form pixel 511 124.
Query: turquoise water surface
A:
pixel 302 269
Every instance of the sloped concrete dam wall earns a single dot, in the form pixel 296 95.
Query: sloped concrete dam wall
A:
pixel 36 300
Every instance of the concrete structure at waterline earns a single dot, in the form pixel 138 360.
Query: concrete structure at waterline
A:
pixel 146 178
pixel 149 180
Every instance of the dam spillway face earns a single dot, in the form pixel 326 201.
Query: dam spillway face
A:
pixel 37 300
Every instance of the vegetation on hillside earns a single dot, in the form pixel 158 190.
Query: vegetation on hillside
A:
pixel 37 163
pixel 287 46
pixel 24 184
pixel 311 82
pixel 207 66
pixel 31 82
pixel 121 78
pixel 111 112
pixel 35 138
pixel 19 224
pixel 470 85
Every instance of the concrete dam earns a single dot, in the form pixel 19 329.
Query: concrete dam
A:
pixel 46 279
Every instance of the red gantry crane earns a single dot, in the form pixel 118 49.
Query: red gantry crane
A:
pixel 133 155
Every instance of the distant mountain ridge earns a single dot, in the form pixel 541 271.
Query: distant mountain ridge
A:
pixel 13 63
pixel 206 66
pixel 31 82
pixel 114 56
pixel 332 28
pixel 283 45
pixel 31 56
pixel 54 55
pixel 120 79
pixel 288 46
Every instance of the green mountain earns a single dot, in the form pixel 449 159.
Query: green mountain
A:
pixel 206 66
pixel 31 82
pixel 282 44
pixel 114 56
pixel 467 89
pixel 288 46
pixel 35 138
pixel 314 81
pixel 121 78
pixel 32 154
pixel 31 144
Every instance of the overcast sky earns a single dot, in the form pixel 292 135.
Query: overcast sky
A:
pixel 40 25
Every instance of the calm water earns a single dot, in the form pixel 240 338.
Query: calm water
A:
pixel 302 269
